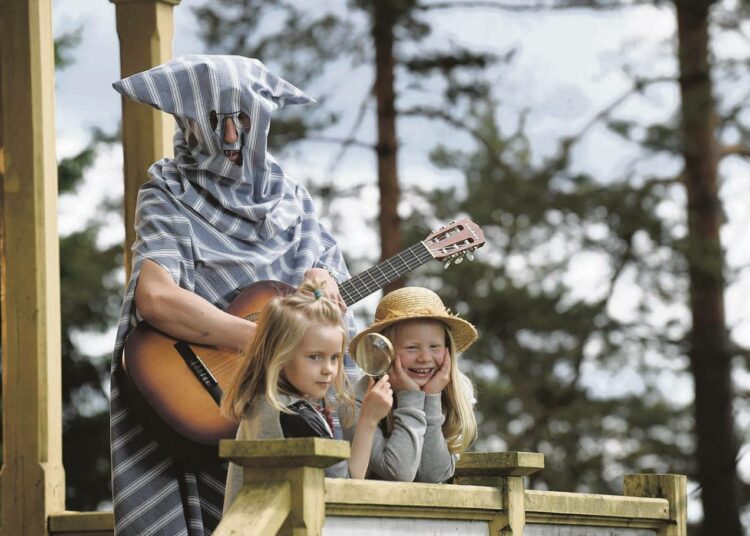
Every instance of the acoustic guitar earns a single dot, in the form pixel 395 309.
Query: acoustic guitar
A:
pixel 183 382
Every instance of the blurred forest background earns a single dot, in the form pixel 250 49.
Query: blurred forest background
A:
pixel 600 294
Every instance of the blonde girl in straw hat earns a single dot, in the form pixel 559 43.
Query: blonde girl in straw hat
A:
pixel 432 420
pixel 283 388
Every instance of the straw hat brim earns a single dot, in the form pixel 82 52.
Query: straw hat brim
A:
pixel 464 334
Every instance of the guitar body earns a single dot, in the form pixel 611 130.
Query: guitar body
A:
pixel 176 380
pixel 171 388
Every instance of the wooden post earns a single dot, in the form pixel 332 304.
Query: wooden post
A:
pixel 503 470
pixel 301 462
pixel 145 29
pixel 670 487
pixel 33 481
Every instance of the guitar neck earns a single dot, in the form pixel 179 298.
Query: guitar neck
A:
pixel 365 283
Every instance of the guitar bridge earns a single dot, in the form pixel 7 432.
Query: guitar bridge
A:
pixel 200 370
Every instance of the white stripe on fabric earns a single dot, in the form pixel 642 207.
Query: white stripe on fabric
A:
pixel 124 439
pixel 143 480
pixel 145 506
pixel 135 458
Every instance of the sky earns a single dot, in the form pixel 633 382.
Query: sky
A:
pixel 568 66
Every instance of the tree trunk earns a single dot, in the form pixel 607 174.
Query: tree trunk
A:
pixel 710 359
pixel 384 19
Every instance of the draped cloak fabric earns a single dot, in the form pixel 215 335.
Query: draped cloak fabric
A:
pixel 215 227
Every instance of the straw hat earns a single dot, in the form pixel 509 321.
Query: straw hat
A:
pixel 417 302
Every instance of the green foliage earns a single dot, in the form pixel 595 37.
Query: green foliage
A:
pixel 64 46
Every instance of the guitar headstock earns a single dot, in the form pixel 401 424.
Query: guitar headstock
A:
pixel 454 241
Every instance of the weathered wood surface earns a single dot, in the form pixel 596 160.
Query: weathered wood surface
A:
pixel 493 464
pixel 260 508
pixel 145 29
pixel 81 522
pixel 420 500
pixel 673 488
pixel 33 481
pixel 297 452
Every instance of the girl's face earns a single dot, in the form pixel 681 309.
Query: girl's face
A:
pixel 421 346
pixel 316 361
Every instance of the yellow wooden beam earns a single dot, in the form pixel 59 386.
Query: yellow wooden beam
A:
pixel 295 452
pixel 494 464
pixel 505 471
pixel 300 462
pixel 260 508
pixel 427 498
pixel 673 488
pixel 145 29
pixel 33 482
pixel 546 503
pixel 89 523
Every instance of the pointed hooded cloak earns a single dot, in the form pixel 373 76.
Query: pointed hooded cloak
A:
pixel 215 227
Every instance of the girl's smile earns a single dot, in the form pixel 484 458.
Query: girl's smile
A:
pixel 421 346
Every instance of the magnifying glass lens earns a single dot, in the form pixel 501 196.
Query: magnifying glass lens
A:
pixel 374 354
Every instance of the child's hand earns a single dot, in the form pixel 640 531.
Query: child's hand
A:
pixel 400 380
pixel 441 378
pixel 377 402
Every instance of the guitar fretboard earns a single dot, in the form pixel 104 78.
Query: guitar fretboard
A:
pixel 375 278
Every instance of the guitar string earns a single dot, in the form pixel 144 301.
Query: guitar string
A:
pixel 355 284
pixel 420 253
pixel 385 276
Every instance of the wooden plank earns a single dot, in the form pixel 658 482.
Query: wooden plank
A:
pixel 673 488
pixel 260 508
pixel 81 522
pixel 145 29
pixel 499 464
pixel 33 482
pixel 603 506
pixel 297 452
pixel 377 494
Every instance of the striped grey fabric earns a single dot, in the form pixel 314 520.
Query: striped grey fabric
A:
pixel 216 227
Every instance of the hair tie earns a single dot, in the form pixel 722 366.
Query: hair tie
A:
pixel 317 293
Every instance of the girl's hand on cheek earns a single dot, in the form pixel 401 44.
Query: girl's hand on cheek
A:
pixel 441 378
pixel 399 379
pixel 377 402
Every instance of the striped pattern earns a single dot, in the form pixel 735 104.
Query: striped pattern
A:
pixel 216 228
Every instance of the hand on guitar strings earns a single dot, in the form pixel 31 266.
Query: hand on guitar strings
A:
pixel 330 288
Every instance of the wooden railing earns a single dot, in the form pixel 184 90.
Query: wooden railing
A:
pixel 286 492
pixel 487 497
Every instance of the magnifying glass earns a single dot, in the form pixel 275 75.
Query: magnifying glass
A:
pixel 374 354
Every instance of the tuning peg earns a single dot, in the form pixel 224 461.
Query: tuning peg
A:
pixel 470 256
pixel 447 263
pixel 459 260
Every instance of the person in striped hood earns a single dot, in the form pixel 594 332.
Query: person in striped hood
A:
pixel 217 217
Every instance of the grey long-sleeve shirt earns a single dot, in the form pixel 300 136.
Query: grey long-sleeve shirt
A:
pixel 416 449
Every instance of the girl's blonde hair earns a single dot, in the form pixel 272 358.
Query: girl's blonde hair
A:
pixel 282 324
pixel 460 426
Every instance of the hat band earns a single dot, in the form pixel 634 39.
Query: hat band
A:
pixel 404 314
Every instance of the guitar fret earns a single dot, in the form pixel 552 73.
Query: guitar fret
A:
pixel 373 279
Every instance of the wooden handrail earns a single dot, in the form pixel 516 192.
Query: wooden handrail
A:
pixel 260 508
